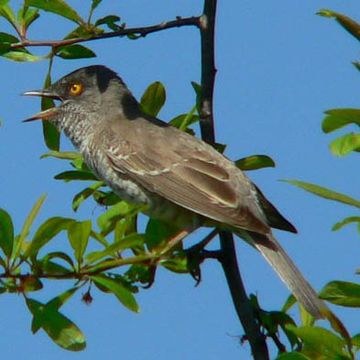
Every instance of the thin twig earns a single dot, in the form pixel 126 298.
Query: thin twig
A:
pixel 228 254
pixel 140 31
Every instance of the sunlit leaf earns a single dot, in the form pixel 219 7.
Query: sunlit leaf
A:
pixel 255 162
pixel 58 7
pixel 67 155
pixel 58 301
pixel 345 144
pixel 27 224
pixel 28 16
pixel 22 56
pixel 107 220
pixel 6 233
pixel 58 255
pixel 99 238
pixel 337 118
pixel 58 327
pixel 95 4
pixel 75 52
pixel 289 303
pixel 325 192
pixel 346 221
pixel 7 13
pixel 78 234
pixel 183 121
pixel 153 98
pixel 124 295
pixel 356 341
pixel 84 194
pixel 319 341
pixel 198 92
pixel 48 230
pixel 342 293
pixel 127 242
pixel 350 25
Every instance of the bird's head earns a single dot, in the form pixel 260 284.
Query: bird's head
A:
pixel 88 91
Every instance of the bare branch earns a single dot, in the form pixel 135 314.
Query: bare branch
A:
pixel 139 31
pixel 228 254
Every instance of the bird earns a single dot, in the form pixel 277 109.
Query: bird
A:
pixel 175 176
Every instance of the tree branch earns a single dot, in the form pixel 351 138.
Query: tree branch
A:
pixel 228 254
pixel 140 31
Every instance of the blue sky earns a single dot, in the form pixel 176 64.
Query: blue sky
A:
pixel 279 67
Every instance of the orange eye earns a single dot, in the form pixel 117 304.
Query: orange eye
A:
pixel 76 89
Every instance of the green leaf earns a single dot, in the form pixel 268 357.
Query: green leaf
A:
pixel 95 4
pixel 48 230
pixel 84 194
pixel 99 238
pixel 6 38
pixel 58 327
pixel 79 233
pixel 58 7
pixel 58 301
pixel 50 133
pixel 356 341
pixel 346 221
pixel 188 119
pixel 58 255
pixel 292 356
pixel 153 99
pixel 255 162
pixel 27 224
pixel 319 341
pixel 7 13
pixel 342 293
pixel 107 221
pixel 22 56
pixel 348 24
pixel 6 233
pixel 345 144
pixel 67 155
pixel 183 121
pixel 28 16
pixel 75 175
pixel 106 198
pixel 75 52
pixel 110 21
pixel 158 232
pixel 53 268
pixel 123 295
pixel 289 303
pixel 198 91
pixel 325 192
pixel 127 242
pixel 338 118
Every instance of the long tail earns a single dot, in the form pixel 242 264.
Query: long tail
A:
pixel 287 271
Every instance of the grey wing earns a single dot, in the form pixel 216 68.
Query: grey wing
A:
pixel 191 174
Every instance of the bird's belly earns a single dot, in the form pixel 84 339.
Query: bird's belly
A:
pixel 126 189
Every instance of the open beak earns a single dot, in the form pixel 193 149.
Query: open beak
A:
pixel 46 114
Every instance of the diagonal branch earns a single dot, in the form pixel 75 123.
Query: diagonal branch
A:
pixel 228 254
pixel 139 31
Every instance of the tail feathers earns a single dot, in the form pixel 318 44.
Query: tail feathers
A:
pixel 287 271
